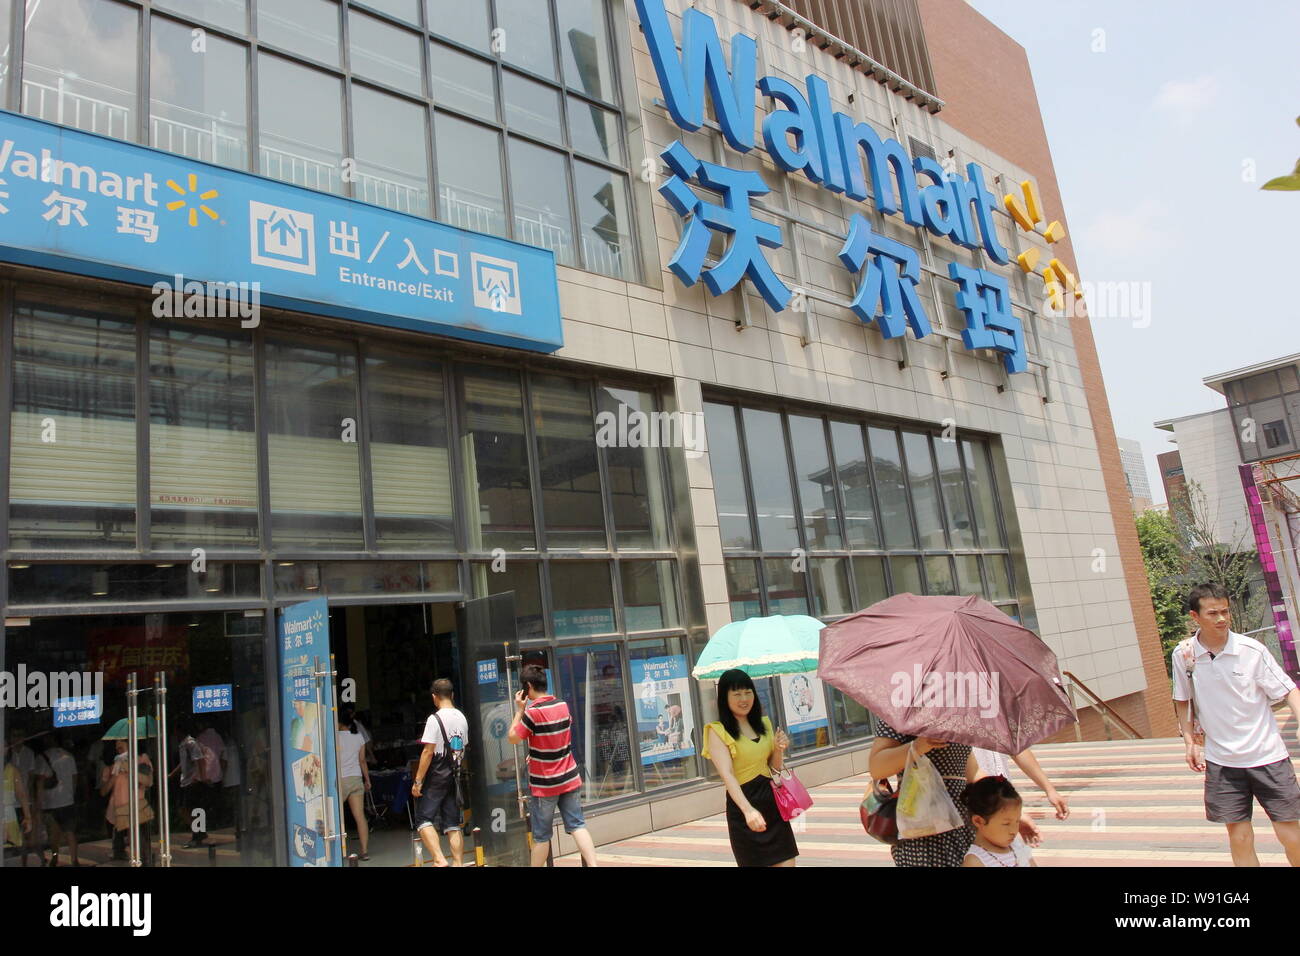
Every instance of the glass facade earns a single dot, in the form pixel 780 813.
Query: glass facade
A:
pixel 798 498
pixel 500 116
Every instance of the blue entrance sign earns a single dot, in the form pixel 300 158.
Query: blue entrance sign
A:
pixel 487 671
pixel 77 711
pixel 82 203
pixel 308 729
pixel 212 698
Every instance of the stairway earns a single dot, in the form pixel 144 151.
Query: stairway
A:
pixel 1132 803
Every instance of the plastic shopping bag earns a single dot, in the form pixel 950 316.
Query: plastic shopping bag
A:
pixel 924 807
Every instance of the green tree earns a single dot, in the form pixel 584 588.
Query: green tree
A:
pixel 1291 181
pixel 1163 556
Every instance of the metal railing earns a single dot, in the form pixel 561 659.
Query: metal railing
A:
pixel 58 104
pixel 1108 715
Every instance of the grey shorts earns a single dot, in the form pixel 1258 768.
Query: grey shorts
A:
pixel 353 785
pixel 1229 792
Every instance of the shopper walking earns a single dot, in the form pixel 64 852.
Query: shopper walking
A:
pixel 1223 685
pixel 992 764
pixel 955 764
pixel 553 777
pixel 115 784
pixel 995 811
pixel 745 750
pixel 56 777
pixel 353 773
pixel 439 807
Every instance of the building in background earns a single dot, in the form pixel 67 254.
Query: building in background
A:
pixel 511 382
pixel 1135 474
pixel 1245 459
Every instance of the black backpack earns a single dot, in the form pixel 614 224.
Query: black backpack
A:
pixel 448 766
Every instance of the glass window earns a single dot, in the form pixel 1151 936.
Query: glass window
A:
pixel 521 577
pixel 925 494
pixel 46 584
pixel 773 499
pixel 198 102
pixel 606 226
pixel 569 472
pixel 230 15
pixel 408 10
pixel 979 472
pixel 6 18
pixel 202 438
pixel 594 131
pixel 383 52
pixel 830 581
pixel 1260 387
pixel 995 566
pixel 465 21
pixel 938 575
pixel 409 469
pixel 539 183
pixel 64 83
pixel 525 37
pixel 581 598
pixel 591 682
pixel 851 467
pixel 300 136
pixel 584 48
pixel 1289 377
pixel 462 82
pixel 532 108
pixel 968 575
pixel 341 578
pixel 72 465
pixel 635 469
pixel 742 589
pixel 392 151
pixel 786 593
pixel 803 699
pixel 812 468
pixel 315 467
pixel 499 505
pixel 869 575
pixel 852 720
pixel 649 597
pixel 307 27
pixel 906 575
pixel 952 479
pixel 888 468
pixel 723 443
pixel 666 727
pixel 469 176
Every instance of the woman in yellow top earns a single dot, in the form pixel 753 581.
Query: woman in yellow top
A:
pixel 745 759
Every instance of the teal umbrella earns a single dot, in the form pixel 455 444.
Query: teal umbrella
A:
pixel 144 727
pixel 762 647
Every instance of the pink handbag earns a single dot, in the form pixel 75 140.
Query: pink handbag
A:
pixel 792 797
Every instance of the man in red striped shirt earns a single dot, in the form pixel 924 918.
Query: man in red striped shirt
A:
pixel 553 778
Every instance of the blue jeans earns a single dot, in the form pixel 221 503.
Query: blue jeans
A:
pixel 541 812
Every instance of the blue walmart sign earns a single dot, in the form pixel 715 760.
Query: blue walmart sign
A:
pixel 81 203
pixel 803 134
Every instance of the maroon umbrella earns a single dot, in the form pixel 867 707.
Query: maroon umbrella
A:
pixel 955 668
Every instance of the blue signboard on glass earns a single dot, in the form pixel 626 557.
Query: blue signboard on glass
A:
pixel 212 698
pixel 82 203
pixel 487 671
pixel 307 726
pixel 77 711
pixel 664 720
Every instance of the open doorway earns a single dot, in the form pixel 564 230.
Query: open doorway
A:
pixel 387 657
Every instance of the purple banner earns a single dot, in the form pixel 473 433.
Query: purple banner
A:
pixel 1268 561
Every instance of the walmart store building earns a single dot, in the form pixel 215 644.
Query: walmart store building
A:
pixel 469 250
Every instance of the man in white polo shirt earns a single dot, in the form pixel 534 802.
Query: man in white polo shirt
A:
pixel 1230 681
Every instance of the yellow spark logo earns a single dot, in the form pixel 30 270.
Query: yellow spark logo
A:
pixel 192 182
pixel 1027 211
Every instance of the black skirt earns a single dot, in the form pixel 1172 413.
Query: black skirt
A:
pixel 775 844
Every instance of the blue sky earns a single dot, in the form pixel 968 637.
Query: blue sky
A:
pixel 1152 138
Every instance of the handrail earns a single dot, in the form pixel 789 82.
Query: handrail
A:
pixel 1106 710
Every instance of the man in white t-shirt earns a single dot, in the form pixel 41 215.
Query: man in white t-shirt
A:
pixel 438 805
pixel 56 778
pixel 1228 729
